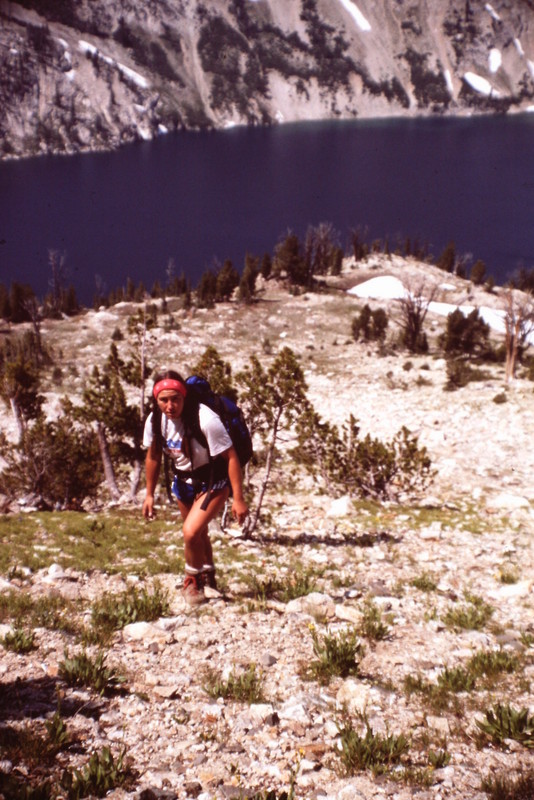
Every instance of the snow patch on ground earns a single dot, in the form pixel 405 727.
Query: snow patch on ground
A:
pixel 495 59
pixel 387 287
pixel 480 84
pixel 135 77
pixel 489 8
pixel 519 47
pixel 356 14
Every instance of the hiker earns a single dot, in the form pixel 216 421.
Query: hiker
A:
pixel 201 484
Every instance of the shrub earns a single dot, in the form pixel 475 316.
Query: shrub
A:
pixel 365 467
pixel 82 670
pixel 19 641
pixel 336 655
pixel 113 612
pixel 371 325
pixel 505 722
pixel 98 777
pixel 244 688
pixel 372 751
pixel 464 334
pixel 372 626
pixel 504 787
pixel 471 616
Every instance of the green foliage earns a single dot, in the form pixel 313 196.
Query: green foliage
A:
pixel 486 664
pixel 503 722
pixel 21 359
pixel 478 273
pixel 247 284
pixel 289 261
pixel 371 325
pixel 19 641
pixel 55 461
pixel 335 655
pixel 113 612
pixel 424 582
pixel 227 281
pixel 101 774
pixel 447 260
pixel 206 291
pixel 465 334
pixel 372 626
pixel 298 584
pixel 217 372
pixel 57 731
pixel 492 662
pixel 438 758
pixel 505 787
pixel 471 616
pixel 361 467
pixel 371 751
pixel 50 611
pixel 245 687
pixel 272 401
pixel 82 670
pixel 460 373
pixel 456 679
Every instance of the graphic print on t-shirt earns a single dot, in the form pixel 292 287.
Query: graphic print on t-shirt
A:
pixel 176 446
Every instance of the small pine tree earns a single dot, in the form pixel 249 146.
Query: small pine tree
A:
pixel 227 281
pixel 478 273
pixel 465 334
pixel 266 266
pixel 447 259
pixel 206 291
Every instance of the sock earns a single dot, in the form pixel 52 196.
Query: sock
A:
pixel 192 570
pixel 208 568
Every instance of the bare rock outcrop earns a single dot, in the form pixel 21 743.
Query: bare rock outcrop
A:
pixel 78 76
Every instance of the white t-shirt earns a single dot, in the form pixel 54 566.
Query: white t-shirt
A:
pixel 173 432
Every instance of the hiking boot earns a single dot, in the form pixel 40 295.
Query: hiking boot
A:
pixel 209 579
pixel 210 585
pixel 193 590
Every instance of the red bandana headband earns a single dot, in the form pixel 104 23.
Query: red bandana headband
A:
pixel 169 383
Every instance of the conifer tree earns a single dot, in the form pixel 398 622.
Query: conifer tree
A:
pixel 227 281
pixel 113 420
pixel 272 400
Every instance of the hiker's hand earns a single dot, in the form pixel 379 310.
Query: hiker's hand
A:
pixel 239 511
pixel 148 508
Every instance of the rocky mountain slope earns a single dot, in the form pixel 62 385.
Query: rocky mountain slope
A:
pixel 450 576
pixel 94 74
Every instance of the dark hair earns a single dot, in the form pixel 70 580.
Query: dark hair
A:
pixel 156 411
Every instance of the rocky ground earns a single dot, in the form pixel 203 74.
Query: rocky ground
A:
pixel 422 568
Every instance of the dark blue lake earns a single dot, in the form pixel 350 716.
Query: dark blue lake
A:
pixel 196 197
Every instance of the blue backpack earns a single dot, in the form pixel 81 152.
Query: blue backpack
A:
pixel 229 413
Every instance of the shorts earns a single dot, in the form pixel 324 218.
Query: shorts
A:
pixel 185 490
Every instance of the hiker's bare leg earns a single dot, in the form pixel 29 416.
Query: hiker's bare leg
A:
pixel 197 545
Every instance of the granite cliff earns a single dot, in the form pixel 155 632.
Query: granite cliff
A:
pixel 93 74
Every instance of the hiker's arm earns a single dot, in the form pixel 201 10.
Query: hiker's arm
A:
pixel 152 467
pixel 235 476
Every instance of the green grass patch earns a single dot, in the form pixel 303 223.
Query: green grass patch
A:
pixel 244 687
pixel 49 611
pixel 506 787
pixel 336 654
pixel 503 721
pixel 471 616
pixel 113 611
pixel 424 582
pixel 83 670
pixel 373 752
pixel 19 641
pixel 111 542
